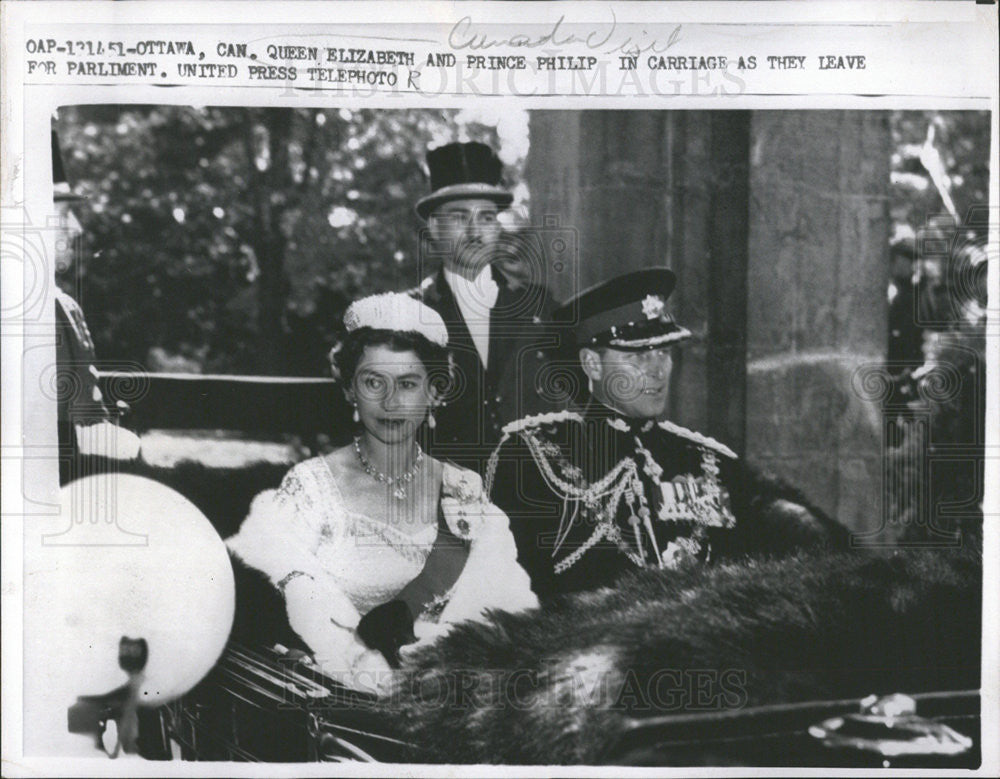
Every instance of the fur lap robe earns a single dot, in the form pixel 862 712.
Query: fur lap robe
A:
pixel 559 685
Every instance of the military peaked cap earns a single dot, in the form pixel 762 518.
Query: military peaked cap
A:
pixel 628 312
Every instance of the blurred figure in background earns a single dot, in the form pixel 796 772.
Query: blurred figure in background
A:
pixel 905 334
pixel 87 427
pixel 938 408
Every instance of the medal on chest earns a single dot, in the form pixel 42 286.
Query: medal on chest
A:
pixel 686 497
pixel 625 505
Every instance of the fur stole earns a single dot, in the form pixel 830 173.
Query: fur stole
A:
pixel 562 684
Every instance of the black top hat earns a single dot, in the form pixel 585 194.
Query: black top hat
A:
pixel 627 313
pixel 61 189
pixel 463 170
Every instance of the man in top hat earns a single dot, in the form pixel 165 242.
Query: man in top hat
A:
pixel 610 486
pixel 86 425
pixel 494 325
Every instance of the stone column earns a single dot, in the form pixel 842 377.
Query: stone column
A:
pixel 816 305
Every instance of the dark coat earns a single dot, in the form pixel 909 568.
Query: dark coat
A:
pixel 484 399
pixel 80 398
pixel 720 507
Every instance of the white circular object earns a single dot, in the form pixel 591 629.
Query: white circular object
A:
pixel 161 573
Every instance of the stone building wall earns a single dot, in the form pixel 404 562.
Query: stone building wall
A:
pixel 817 311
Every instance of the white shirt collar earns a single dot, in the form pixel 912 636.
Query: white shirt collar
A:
pixel 475 298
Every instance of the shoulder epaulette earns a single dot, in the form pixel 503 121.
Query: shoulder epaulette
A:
pixel 698 438
pixel 538 420
pixel 522 425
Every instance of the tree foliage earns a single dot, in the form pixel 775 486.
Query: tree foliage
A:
pixel 230 240
pixel 962 138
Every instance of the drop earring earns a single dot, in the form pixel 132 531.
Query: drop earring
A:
pixel 431 422
pixel 590 385
pixel 356 416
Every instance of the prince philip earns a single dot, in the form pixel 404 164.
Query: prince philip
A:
pixel 611 486
pixel 495 328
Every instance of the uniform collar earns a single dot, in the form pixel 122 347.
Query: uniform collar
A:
pixel 596 410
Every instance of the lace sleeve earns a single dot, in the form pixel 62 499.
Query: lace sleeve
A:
pixel 284 527
pixel 280 538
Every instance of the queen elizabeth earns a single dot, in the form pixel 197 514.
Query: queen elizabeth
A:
pixel 378 544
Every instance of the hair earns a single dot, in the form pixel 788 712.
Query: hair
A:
pixel 345 356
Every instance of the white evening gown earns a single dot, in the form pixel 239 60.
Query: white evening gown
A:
pixel 334 565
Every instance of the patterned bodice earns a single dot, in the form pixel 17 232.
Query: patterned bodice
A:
pixel 370 559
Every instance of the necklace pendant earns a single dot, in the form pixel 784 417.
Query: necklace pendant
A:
pixel 399 492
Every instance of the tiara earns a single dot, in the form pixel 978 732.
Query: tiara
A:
pixel 399 312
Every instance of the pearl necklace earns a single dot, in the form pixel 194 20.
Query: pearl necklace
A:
pixel 401 481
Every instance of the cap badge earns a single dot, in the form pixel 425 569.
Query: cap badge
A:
pixel 652 306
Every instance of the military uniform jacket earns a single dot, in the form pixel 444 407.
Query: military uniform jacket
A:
pixel 485 398
pixel 80 399
pixel 592 495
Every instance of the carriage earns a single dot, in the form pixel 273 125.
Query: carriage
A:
pixel 264 701
pixel 261 705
